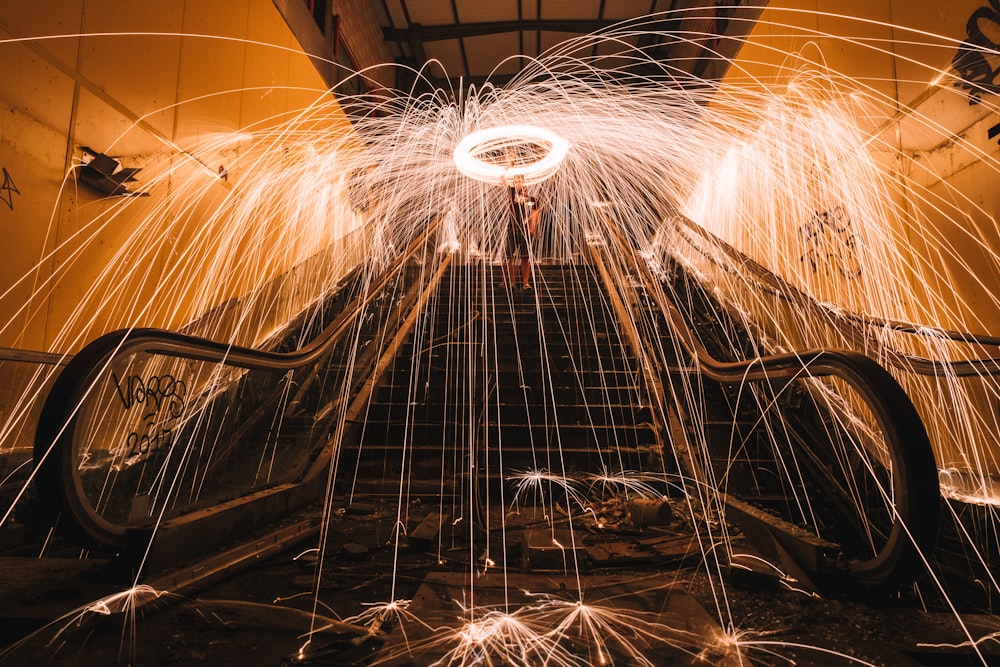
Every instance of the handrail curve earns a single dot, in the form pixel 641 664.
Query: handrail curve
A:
pixel 915 497
pixel 57 479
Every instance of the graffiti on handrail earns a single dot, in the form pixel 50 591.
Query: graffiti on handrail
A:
pixel 162 398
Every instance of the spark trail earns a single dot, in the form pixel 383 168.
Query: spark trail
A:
pixel 781 204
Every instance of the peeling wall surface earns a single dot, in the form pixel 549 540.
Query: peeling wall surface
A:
pixel 920 108
pixel 890 208
pixel 167 88
pixel 147 84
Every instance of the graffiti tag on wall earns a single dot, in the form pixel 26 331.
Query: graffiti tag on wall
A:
pixel 977 61
pixel 8 189
pixel 162 398
pixel 829 243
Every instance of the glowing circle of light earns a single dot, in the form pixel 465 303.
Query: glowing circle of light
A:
pixel 468 153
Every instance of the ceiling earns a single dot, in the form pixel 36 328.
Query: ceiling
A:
pixel 475 39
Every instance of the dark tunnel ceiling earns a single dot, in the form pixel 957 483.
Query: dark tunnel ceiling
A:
pixel 472 38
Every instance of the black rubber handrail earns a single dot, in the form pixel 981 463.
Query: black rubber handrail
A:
pixel 34 357
pixel 778 286
pixel 57 478
pixel 916 492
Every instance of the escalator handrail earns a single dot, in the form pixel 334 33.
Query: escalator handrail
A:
pixel 787 366
pixel 917 505
pixel 57 477
pixel 907 362
pixel 171 343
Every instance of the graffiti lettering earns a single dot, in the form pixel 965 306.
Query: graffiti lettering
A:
pixel 8 189
pixel 977 60
pixel 163 398
pixel 154 393
pixel 151 441
pixel 830 244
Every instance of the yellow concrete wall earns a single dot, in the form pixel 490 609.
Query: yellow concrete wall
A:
pixel 922 157
pixel 923 133
pixel 92 73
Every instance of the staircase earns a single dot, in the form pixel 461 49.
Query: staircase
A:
pixel 495 382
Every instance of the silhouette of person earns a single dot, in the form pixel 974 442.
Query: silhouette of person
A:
pixel 523 222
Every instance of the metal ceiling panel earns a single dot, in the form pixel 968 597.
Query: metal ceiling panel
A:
pixel 471 37
pixel 396 15
pixel 449 52
pixel 529 9
pixel 530 42
pixel 570 9
pixel 626 9
pixel 430 12
pixel 487 51
pixel 477 11
pixel 611 47
pixel 549 38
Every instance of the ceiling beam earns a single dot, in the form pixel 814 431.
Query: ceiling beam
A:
pixel 434 33
pixel 461 42
pixel 538 32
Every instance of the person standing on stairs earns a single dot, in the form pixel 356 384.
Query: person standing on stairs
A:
pixel 521 230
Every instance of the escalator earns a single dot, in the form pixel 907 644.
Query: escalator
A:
pixel 815 454
pixel 159 446
pixel 820 452
pixel 497 387
pixel 440 380
pixel 945 374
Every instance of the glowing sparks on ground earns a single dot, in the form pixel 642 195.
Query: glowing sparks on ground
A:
pixel 560 633
pixel 783 199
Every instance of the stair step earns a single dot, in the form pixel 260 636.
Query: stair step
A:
pixel 510 436
pixel 513 412
pixel 625 392
pixel 548 364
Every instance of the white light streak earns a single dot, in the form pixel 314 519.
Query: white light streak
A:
pixel 506 140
